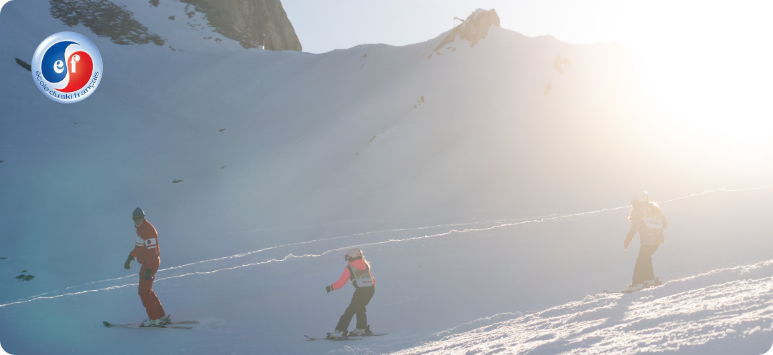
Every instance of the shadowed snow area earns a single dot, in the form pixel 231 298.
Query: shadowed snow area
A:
pixel 473 190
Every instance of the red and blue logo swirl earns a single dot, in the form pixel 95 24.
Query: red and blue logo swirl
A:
pixel 67 67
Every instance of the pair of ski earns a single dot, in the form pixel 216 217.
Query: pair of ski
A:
pixel 173 325
pixel 356 337
pixel 632 290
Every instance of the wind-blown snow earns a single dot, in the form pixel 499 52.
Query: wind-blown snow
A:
pixel 472 193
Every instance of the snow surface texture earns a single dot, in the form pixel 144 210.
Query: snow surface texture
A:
pixel 472 192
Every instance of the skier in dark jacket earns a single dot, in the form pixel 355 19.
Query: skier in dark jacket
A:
pixel 146 250
pixel 648 220
pixel 358 273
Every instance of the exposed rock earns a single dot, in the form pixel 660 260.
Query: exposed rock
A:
pixel 105 19
pixel 251 22
pixel 557 65
pixel 24 65
pixel 24 277
pixel 474 28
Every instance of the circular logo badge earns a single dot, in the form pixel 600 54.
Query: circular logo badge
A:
pixel 67 67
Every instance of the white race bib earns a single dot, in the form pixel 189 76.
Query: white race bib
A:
pixel 653 219
pixel 361 278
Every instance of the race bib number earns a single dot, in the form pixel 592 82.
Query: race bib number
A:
pixel 653 219
pixel 362 277
pixel 654 222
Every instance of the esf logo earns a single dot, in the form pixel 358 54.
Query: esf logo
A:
pixel 67 67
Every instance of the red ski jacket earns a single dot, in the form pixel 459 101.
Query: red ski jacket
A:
pixel 146 246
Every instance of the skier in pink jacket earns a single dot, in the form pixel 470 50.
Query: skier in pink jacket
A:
pixel 358 273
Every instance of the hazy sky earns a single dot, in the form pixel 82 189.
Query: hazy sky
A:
pixel 708 61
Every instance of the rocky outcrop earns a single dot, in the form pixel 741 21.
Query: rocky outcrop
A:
pixel 251 22
pixel 474 28
pixel 105 19
pixel 24 65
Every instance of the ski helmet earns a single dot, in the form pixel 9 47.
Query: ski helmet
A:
pixel 641 197
pixel 138 212
pixel 354 253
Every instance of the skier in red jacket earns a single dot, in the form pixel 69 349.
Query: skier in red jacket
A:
pixel 147 253
pixel 358 273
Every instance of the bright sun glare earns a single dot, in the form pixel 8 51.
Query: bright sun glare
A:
pixel 708 63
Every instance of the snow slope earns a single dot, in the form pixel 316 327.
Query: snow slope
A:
pixel 723 311
pixel 471 191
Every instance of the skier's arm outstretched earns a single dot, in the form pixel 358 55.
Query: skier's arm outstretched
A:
pixel 341 281
pixel 128 264
pixel 634 229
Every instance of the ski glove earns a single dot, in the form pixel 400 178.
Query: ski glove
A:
pixel 148 274
pixel 329 288
pixel 128 264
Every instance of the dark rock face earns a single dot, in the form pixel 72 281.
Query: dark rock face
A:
pixel 105 19
pixel 474 28
pixel 251 22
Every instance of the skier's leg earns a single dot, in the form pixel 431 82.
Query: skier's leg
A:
pixel 346 318
pixel 638 269
pixel 365 296
pixel 159 307
pixel 148 297
pixel 649 272
pixel 154 298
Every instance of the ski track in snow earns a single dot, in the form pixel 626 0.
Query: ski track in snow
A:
pixel 648 321
pixel 428 236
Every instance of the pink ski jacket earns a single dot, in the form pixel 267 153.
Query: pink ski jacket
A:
pixel 361 273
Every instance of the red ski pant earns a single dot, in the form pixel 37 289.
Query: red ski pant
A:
pixel 149 300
